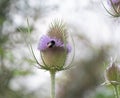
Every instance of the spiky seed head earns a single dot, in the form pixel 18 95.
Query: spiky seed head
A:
pixel 58 30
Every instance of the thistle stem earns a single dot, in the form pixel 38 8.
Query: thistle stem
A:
pixel 116 92
pixel 52 73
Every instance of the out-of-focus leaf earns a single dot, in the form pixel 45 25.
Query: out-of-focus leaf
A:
pixel 24 29
pixel 2 19
pixel 1 52
pixel 104 93
pixel 3 39
pixel 31 61
pixel 21 72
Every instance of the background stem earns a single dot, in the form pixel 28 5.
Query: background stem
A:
pixel 116 92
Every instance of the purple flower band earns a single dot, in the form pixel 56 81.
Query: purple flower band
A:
pixel 48 42
pixel 113 1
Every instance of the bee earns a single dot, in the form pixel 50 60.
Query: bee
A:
pixel 51 44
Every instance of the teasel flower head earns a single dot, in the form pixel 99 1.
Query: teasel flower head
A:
pixel 112 74
pixel 54 47
pixel 114 7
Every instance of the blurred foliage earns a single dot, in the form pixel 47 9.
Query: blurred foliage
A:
pixel 101 92
pixel 3 6
pixel 87 73
pixel 8 69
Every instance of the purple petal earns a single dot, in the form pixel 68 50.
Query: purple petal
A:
pixel 113 1
pixel 69 48
pixel 44 40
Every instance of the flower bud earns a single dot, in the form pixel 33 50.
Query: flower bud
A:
pixel 112 74
pixel 54 46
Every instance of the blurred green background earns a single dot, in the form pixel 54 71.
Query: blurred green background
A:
pixel 93 50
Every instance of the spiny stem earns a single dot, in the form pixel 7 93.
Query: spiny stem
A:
pixel 52 73
pixel 116 91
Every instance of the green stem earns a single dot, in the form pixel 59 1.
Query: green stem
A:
pixel 52 73
pixel 116 92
